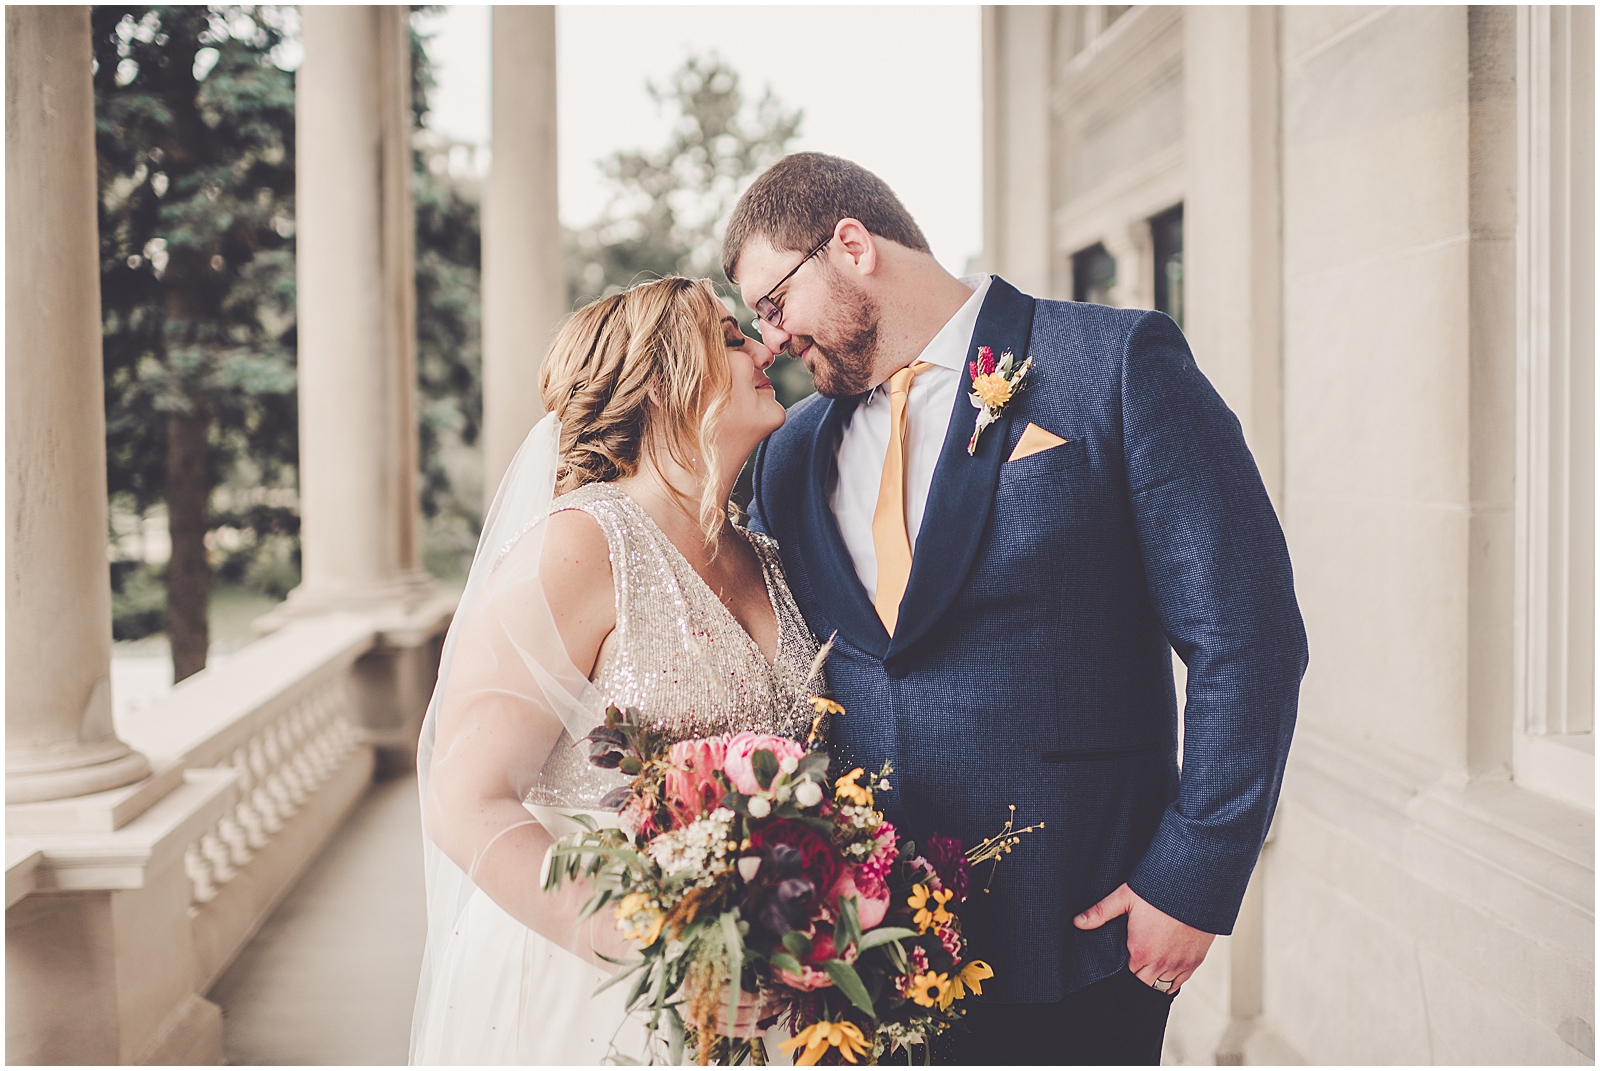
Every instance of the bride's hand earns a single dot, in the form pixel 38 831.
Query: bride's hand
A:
pixel 604 939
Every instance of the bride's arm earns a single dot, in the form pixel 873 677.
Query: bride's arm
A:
pixel 497 726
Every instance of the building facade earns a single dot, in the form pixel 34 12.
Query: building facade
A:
pixel 1376 227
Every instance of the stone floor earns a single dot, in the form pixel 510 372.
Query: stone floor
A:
pixel 332 976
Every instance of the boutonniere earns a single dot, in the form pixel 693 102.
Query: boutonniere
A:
pixel 993 387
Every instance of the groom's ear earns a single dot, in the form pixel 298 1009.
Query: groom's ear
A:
pixel 858 245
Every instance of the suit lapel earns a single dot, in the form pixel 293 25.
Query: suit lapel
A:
pixel 828 563
pixel 962 493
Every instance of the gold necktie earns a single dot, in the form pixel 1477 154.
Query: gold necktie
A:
pixel 890 539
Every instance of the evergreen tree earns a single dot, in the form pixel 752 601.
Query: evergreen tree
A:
pixel 195 143
pixel 669 206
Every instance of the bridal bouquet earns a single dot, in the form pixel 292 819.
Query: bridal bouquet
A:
pixel 742 866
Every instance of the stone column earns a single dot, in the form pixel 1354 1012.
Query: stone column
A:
pixel 524 288
pixel 59 738
pixel 357 312
pixel 1233 286
pixel 1232 219
pixel 1017 80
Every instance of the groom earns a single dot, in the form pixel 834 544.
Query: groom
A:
pixel 1005 611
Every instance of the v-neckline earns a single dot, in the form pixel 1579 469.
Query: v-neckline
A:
pixel 766 579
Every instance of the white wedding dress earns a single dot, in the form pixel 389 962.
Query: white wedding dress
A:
pixel 494 991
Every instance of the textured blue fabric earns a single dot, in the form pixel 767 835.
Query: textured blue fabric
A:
pixel 1032 662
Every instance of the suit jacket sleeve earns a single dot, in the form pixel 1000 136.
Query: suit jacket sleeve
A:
pixel 1219 578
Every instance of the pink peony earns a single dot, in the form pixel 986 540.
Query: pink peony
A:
pixel 872 902
pixel 693 788
pixel 743 745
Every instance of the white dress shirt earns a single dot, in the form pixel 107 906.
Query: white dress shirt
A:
pixel 865 440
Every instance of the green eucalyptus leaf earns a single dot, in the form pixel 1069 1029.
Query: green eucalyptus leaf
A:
pixel 765 765
pixel 883 935
pixel 674 1036
pixel 797 943
pixel 849 982
pixel 735 948
pixel 786 962
pixel 814 765
pixel 847 931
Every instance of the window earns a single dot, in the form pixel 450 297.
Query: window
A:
pixel 1166 235
pixel 1094 273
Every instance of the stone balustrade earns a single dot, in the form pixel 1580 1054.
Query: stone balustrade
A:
pixel 257 761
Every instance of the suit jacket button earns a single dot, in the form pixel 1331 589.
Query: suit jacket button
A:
pixel 897 670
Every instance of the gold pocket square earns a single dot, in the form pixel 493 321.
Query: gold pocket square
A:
pixel 1034 440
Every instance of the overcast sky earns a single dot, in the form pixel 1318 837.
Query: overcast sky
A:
pixel 896 89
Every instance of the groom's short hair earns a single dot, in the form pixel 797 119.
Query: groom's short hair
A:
pixel 797 202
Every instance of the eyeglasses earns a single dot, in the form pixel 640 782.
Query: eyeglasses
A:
pixel 770 310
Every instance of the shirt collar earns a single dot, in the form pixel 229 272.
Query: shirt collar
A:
pixel 949 347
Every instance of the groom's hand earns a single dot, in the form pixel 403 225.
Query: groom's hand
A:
pixel 1159 946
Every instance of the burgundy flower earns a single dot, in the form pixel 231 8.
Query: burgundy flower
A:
pixel 798 865
pixel 950 863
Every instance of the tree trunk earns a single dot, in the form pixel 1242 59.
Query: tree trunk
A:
pixel 188 574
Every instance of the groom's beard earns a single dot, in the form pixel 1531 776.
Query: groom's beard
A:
pixel 845 349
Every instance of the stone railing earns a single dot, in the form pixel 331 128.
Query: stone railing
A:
pixel 257 761
pixel 282 753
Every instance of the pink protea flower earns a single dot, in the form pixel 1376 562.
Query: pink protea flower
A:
pixel 736 763
pixel 808 979
pixel 812 977
pixel 693 787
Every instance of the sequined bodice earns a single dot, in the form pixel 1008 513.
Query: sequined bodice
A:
pixel 678 654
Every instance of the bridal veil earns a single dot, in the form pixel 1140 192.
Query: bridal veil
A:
pixel 506 689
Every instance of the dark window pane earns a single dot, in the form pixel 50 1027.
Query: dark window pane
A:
pixel 1094 273
pixel 1166 234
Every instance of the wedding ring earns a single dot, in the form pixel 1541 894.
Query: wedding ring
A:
pixel 1163 984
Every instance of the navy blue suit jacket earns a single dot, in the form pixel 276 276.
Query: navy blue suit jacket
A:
pixel 1032 660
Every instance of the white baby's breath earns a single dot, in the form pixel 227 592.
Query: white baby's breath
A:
pixel 699 846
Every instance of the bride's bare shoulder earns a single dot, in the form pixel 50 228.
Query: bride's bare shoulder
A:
pixel 575 556
pixel 575 565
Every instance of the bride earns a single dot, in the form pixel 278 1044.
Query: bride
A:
pixel 606 573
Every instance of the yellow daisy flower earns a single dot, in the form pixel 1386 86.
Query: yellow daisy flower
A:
pixel 638 919
pixel 929 916
pixel 930 989
pixel 819 1037
pixel 846 789
pixel 971 978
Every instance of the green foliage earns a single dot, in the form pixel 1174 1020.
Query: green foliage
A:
pixel 195 138
pixel 138 600
pixel 194 134
pixel 195 142
pixel 667 212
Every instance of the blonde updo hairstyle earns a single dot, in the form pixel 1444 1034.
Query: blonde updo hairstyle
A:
pixel 638 372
